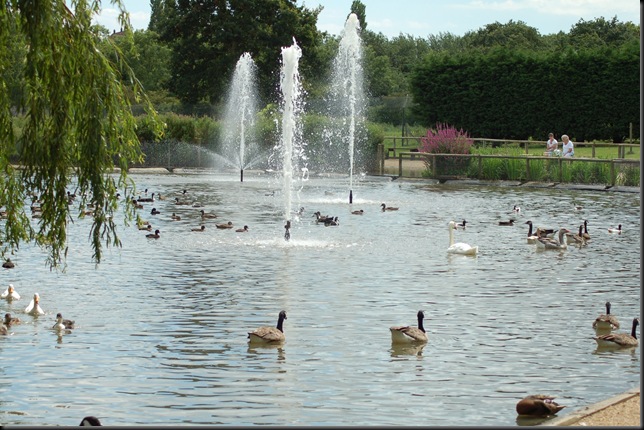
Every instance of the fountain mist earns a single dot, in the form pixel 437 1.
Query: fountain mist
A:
pixel 241 109
pixel 291 144
pixel 347 99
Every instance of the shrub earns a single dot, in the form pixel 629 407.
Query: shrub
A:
pixel 447 140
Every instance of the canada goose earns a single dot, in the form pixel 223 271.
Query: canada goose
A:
pixel 617 230
pixel 538 405
pixel 155 235
pixel 269 334
pixel 33 308
pixel 548 243
pixel 358 212
pixel 175 217
pixel 90 421
pixel 459 247
pixel 62 324
pixel 619 340
pixel 409 334
pixel 154 211
pixel 146 199
pixel 229 224
pixel 606 321
pixel 242 230
pixel 10 293
pixel 9 320
pixel 387 208
pixel 586 236
pixel 576 239
pixel 510 222
pixel 202 228
pixel 532 239
pixel 321 218
pixel 205 215
pixel 8 264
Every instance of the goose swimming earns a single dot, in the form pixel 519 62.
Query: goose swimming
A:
pixel 269 334
pixel 409 334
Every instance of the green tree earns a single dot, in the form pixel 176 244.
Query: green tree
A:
pixel 77 126
pixel 513 35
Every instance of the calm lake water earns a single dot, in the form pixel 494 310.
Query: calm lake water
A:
pixel 161 324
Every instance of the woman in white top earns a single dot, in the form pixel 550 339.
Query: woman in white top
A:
pixel 551 144
pixel 568 148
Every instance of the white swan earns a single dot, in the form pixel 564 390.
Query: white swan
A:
pixel 34 307
pixel 460 247
pixel 10 293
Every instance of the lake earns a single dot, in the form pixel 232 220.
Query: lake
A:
pixel 161 325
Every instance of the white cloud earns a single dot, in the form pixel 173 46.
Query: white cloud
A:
pixel 606 8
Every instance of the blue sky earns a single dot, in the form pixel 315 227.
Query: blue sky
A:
pixel 420 18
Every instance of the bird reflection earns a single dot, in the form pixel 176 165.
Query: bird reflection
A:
pixel 526 420
pixel 257 349
pixel 398 350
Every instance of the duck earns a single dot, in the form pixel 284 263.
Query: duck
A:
pixel 10 293
pixel 242 230
pixel 9 320
pixel 175 217
pixel 146 199
pixel 461 225
pixel 510 222
pixel 532 239
pixel 586 236
pixel 459 247
pixel 154 211
pixel 549 243
pixel 269 334
pixel 180 202
pixel 619 340
pixel 516 210
pixel 617 230
pixel 136 204
pixel 229 224
pixel 540 405
pixel 205 215
pixel 197 205
pixel 358 212
pixel 145 227
pixel 155 235
pixel 160 197
pixel 606 321
pixel 90 421
pixel 321 218
pixel 410 334
pixel 4 330
pixel 202 228
pixel 62 324
pixel 387 208
pixel 576 239
pixel 33 308
pixel 8 264
pixel 330 222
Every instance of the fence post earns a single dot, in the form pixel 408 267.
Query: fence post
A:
pixel 527 168
pixel 434 165
pixel 630 136
pixel 561 169
pixel 480 166
pixel 399 165
pixel 526 148
pixel 612 172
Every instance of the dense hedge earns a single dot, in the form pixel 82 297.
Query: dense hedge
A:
pixel 509 94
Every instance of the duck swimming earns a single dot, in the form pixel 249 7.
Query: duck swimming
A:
pixel 510 222
pixel 202 228
pixel 154 211
pixel 229 224
pixel 155 235
pixel 34 306
pixel 619 340
pixel 9 320
pixel 90 421
pixel 266 335
pixel 205 215
pixel 10 294
pixel 242 230
pixel 409 334
pixel 8 264
pixel 387 208
pixel 358 212
pixel 62 324
pixel 617 230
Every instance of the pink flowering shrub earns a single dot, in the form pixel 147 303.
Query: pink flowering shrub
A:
pixel 446 140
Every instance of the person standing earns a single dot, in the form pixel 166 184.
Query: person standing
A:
pixel 551 144
pixel 568 148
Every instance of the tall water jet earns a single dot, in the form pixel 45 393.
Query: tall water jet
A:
pixel 347 101
pixel 238 131
pixel 291 144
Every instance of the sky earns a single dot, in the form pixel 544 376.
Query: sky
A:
pixel 421 18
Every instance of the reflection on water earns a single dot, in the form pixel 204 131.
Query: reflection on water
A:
pixel 162 324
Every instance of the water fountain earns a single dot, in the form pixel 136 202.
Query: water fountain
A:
pixel 347 101
pixel 291 145
pixel 239 119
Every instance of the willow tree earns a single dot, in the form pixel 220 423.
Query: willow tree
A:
pixel 77 127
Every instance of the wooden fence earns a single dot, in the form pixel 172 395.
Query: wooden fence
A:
pixel 431 158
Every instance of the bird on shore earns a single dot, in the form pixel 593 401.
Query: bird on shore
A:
pixel 617 230
pixel 33 308
pixel 155 235
pixel 538 405
pixel 388 208
pixel 459 247
pixel 606 321
pixel 10 294
pixel 410 334
pixel 619 340
pixel 229 224
pixel 269 335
